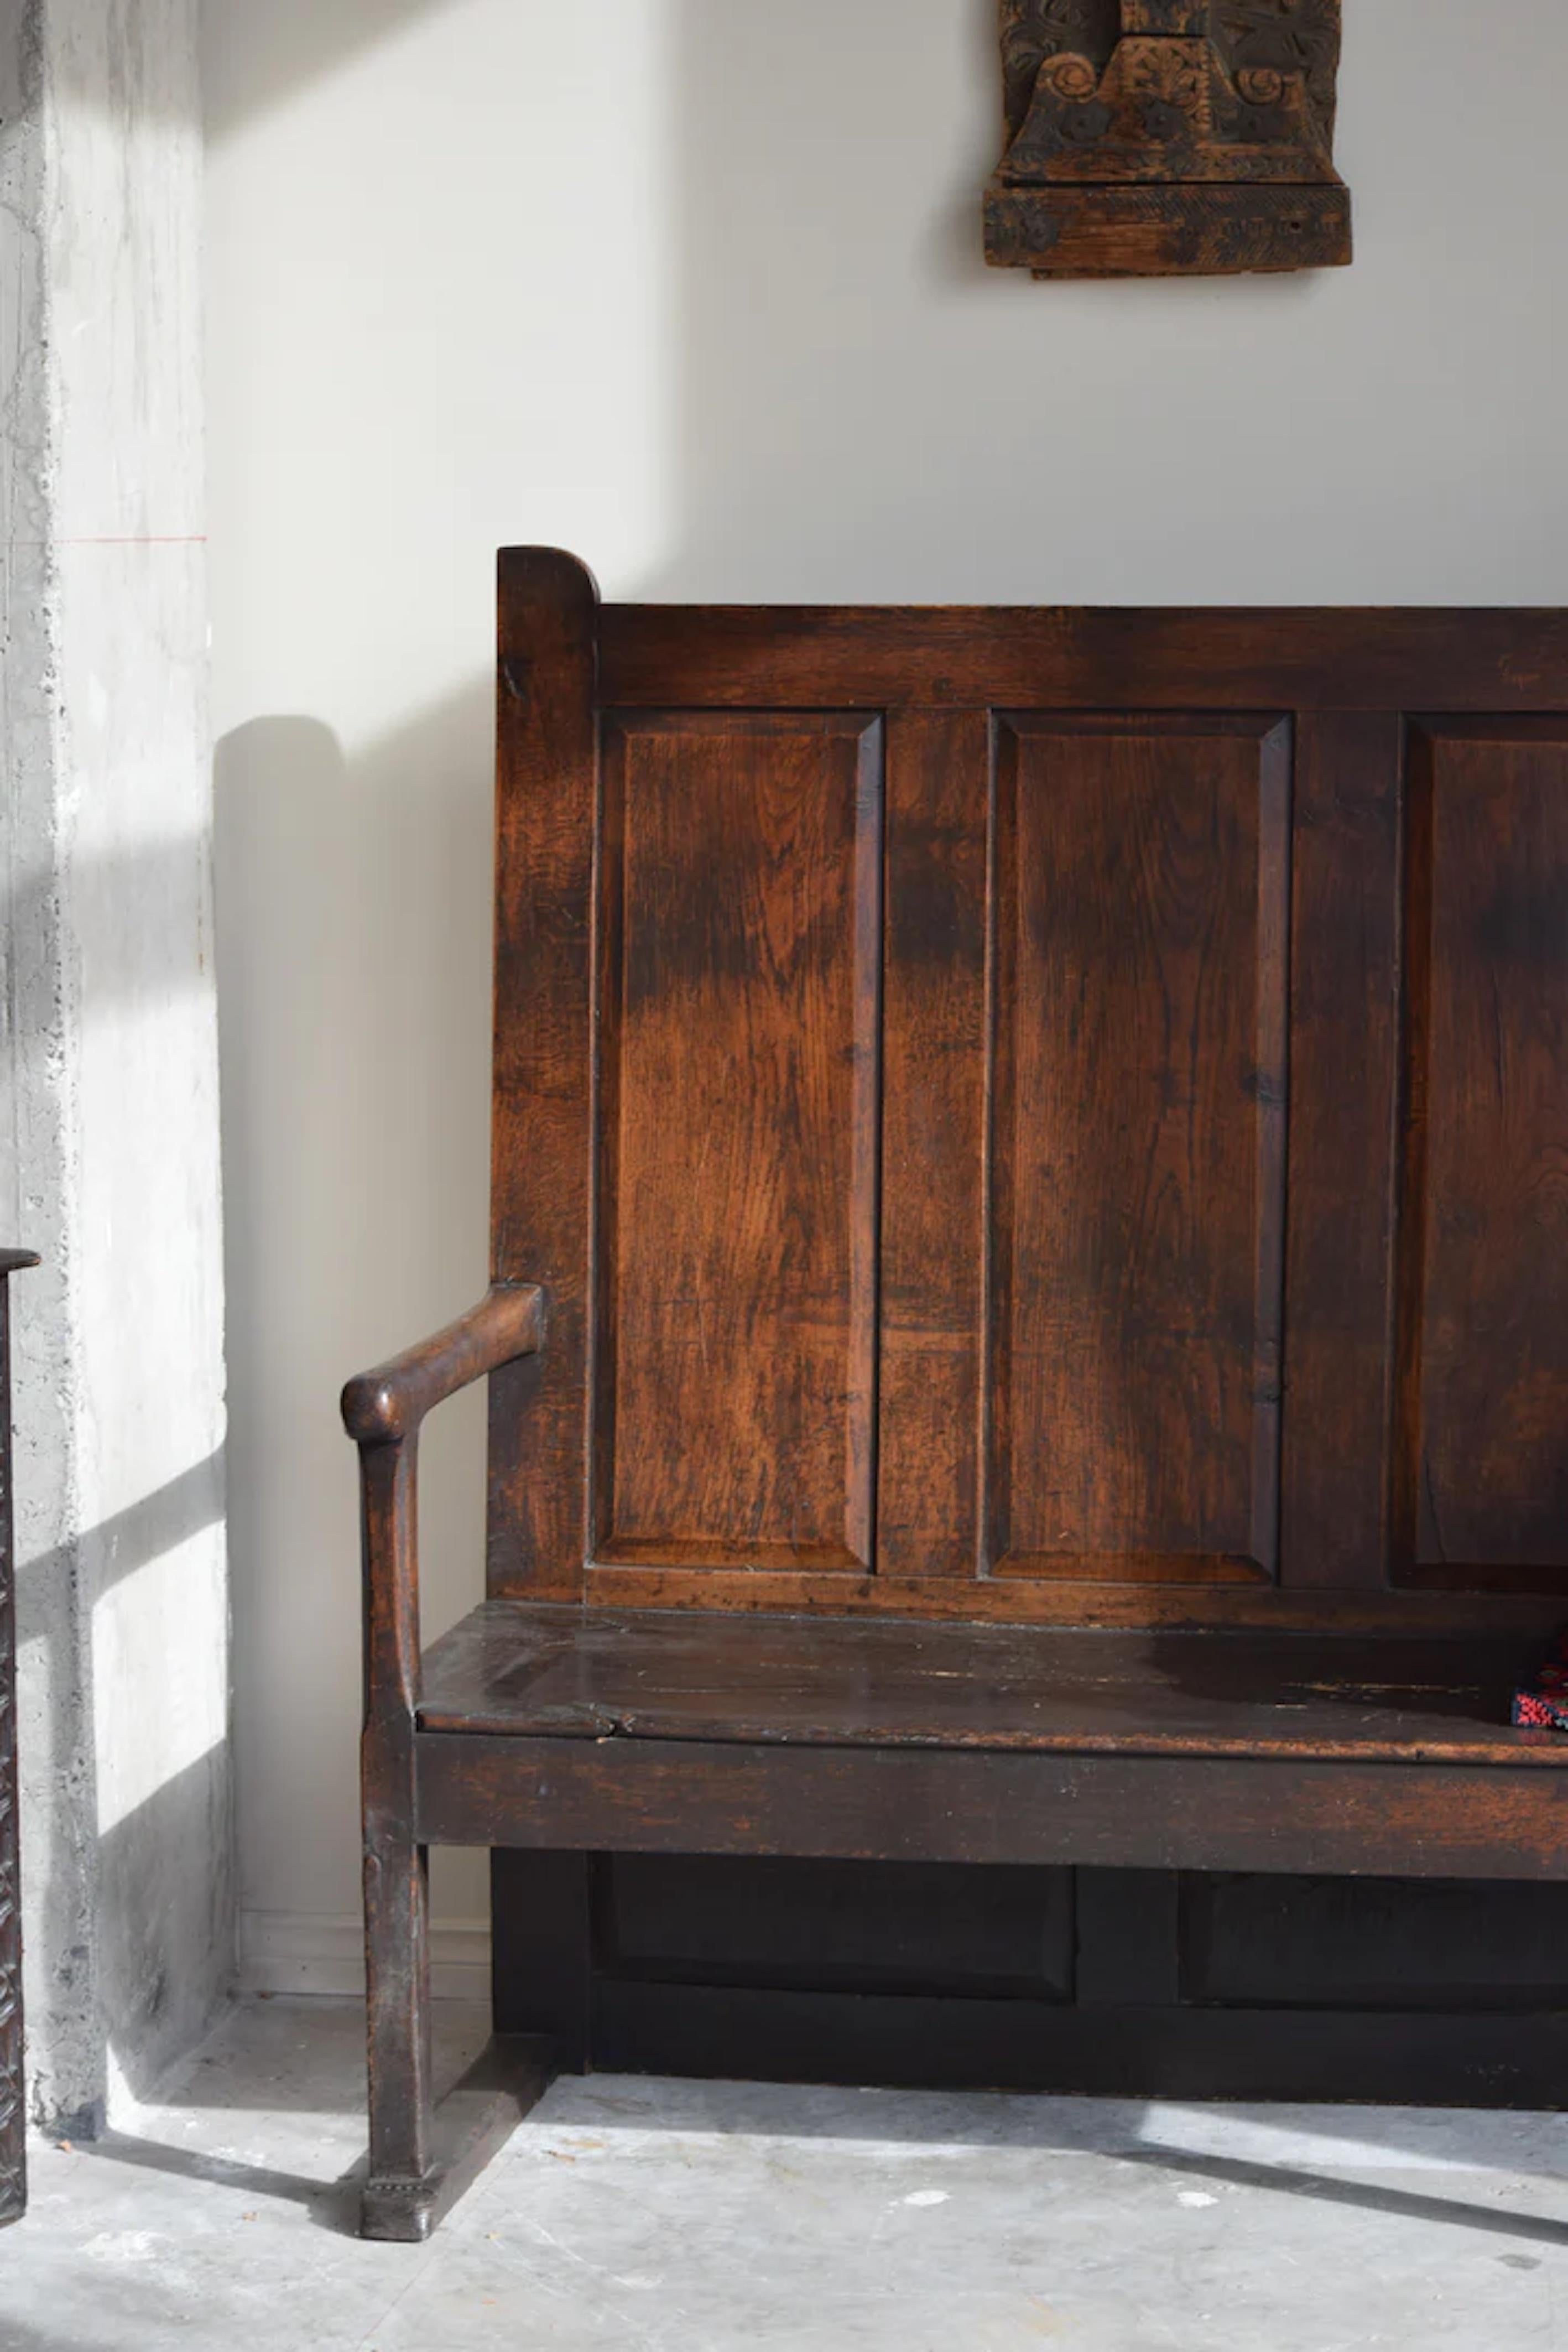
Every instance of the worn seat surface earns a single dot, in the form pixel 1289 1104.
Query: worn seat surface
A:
pixel 513 1667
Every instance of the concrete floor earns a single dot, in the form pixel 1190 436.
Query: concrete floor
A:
pixel 678 2217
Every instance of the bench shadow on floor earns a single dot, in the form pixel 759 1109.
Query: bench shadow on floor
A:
pixel 282 2081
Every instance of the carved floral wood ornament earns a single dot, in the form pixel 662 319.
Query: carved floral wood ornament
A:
pixel 1163 137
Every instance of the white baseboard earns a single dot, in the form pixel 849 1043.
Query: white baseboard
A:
pixel 310 1952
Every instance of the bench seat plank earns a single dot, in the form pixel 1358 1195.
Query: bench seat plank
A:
pixel 531 1670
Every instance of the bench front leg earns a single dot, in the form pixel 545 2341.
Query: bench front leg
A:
pixel 396 1868
pixel 416 2167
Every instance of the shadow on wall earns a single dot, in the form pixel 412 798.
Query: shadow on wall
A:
pixel 296 43
pixel 148 1912
pixel 353 937
pixel 152 1911
pixel 354 886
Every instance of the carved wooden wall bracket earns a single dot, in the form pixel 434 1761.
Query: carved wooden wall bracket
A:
pixel 1168 138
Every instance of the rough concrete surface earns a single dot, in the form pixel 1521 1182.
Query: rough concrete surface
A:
pixel 633 2215
pixel 108 1084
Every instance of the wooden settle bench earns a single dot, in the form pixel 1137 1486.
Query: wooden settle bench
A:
pixel 1030 1306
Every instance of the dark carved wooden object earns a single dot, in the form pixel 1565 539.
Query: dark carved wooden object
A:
pixel 1040 1135
pixel 13 2113
pixel 1168 138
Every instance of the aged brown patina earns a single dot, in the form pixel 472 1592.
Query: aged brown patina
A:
pixel 1167 138
pixel 1028 1322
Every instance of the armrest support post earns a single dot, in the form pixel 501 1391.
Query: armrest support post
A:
pixel 388 1529
pixel 382 1411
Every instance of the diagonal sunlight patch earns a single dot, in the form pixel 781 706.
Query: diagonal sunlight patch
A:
pixel 1303 2137
pixel 160 1642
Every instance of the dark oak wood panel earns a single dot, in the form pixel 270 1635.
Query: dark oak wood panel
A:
pixel 950 1150
pixel 546 788
pixel 1126 1812
pixel 511 1668
pixel 903 1927
pixel 933 1126
pixel 741 2034
pixel 541 1948
pixel 737 1214
pixel 1482 1468
pixel 1020 658
pixel 1128 1955
pixel 1344 977
pixel 1368 1944
pixel 1138 1147
pixel 1189 1985
pixel 1043 1601
pixel 1167 138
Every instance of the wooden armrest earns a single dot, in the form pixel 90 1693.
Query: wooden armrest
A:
pixel 15 1261
pixel 385 1405
pixel 382 1412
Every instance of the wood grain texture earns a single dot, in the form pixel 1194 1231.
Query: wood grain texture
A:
pixel 396 1870
pixel 1138 1152
pixel 390 1402
pixel 1203 232
pixel 966 656
pixel 1481 1469
pixel 1349 677
pixel 420 2158
pixel 471 2123
pixel 869 1128
pixel 1113 1811
pixel 547 786
pixel 514 1668
pixel 737 1195
pixel 1046 1601
pixel 1343 1086
pixel 933 1123
pixel 1155 137
pixel 1057 54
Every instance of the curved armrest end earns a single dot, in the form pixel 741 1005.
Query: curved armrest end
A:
pixel 370 1408
pixel 386 1405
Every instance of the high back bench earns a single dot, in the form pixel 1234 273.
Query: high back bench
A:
pixel 1030 1303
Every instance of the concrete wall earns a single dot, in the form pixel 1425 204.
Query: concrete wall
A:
pixel 107 1056
pixel 693 286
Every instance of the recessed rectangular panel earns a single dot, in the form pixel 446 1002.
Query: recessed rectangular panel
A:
pixel 1482 1434
pixel 740 952
pixel 1138 1146
pixel 861 1926
pixel 1388 1944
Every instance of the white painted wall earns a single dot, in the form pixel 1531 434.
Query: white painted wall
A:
pixel 693 286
